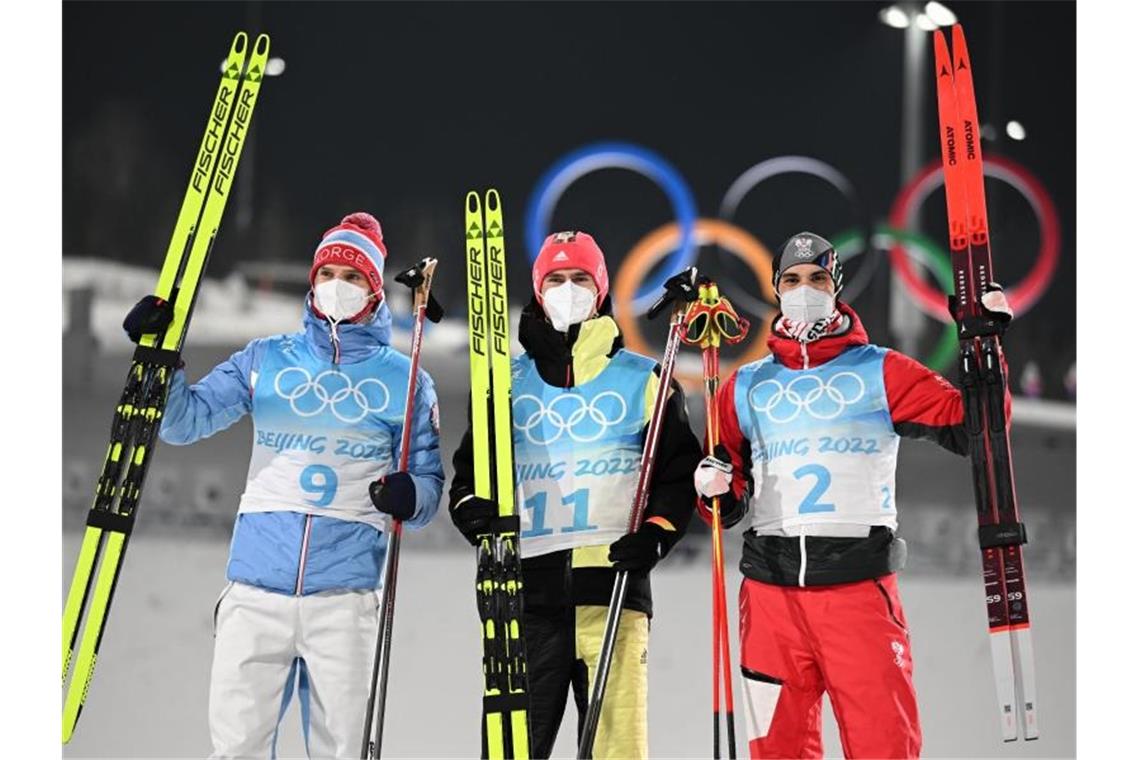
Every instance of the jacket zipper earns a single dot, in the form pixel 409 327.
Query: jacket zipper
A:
pixel 304 556
pixel 804 353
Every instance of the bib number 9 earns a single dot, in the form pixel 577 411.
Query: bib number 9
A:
pixel 319 479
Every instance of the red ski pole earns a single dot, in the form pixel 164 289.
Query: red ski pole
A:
pixel 710 321
pixel 424 305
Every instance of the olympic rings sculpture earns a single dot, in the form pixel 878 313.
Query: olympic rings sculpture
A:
pixel 653 247
pixel 639 280
pixel 775 167
pixel 924 250
pixel 1022 296
pixel 567 423
pixel 308 396
pixel 795 398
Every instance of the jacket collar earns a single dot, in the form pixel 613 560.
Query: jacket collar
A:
pixel 796 355
pixel 358 341
pixel 575 356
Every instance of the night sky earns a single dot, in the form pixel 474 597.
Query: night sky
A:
pixel 399 108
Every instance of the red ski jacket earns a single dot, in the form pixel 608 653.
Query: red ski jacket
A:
pixel 922 404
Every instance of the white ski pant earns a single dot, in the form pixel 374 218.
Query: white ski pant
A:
pixel 264 642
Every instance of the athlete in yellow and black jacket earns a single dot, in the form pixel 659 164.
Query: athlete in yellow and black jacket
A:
pixel 581 403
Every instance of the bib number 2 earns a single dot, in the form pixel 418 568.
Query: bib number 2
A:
pixel 811 502
pixel 320 480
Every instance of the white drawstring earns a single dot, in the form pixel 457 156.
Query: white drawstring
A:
pixel 803 554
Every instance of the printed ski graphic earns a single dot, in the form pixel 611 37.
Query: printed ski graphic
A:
pixel 498 583
pixel 1000 530
pixel 138 415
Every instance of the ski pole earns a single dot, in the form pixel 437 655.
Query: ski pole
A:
pixel 710 321
pixel 679 290
pixel 418 278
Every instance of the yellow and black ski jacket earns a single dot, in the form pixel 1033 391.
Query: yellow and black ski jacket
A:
pixel 584 576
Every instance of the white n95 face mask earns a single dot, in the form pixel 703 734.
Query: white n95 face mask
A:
pixel 339 300
pixel 568 304
pixel 807 304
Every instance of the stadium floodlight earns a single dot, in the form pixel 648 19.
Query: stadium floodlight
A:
pixel 940 14
pixel 925 23
pixel 1015 130
pixel 895 17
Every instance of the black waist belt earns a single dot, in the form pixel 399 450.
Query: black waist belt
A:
pixel 777 559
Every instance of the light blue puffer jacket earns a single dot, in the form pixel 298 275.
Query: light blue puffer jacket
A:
pixel 288 551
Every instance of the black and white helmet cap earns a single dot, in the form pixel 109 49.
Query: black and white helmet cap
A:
pixel 809 248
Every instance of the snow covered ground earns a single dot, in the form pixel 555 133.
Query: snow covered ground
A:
pixel 148 698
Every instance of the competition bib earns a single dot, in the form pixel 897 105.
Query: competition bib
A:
pixel 577 452
pixel 823 445
pixel 323 432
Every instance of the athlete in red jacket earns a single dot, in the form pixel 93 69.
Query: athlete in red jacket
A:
pixel 810 440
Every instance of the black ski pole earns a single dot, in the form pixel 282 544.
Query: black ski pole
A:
pixel 680 289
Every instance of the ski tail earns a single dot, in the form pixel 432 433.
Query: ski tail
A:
pixel 1000 531
pixel 138 415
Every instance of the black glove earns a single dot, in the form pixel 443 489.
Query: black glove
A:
pixel 473 517
pixel 639 552
pixel 150 315
pixel 731 510
pixel 395 495
pixel 994 319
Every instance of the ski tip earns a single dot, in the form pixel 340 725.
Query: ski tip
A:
pixel 960 53
pixel 472 202
pixel 241 39
pixel 941 54
pixel 261 45
pixel 492 200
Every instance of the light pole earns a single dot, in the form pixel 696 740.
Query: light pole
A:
pixel 904 317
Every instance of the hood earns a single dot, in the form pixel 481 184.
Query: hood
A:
pixel 792 353
pixel 358 341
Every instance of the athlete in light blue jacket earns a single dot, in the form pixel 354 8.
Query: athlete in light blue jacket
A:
pixel 309 542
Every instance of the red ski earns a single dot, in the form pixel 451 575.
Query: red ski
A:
pixel 1001 533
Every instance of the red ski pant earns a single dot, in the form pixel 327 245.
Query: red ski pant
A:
pixel 849 640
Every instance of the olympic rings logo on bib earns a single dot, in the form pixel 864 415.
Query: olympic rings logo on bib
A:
pixel 308 396
pixel 583 421
pixel 807 393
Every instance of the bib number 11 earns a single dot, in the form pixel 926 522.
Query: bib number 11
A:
pixel 580 500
